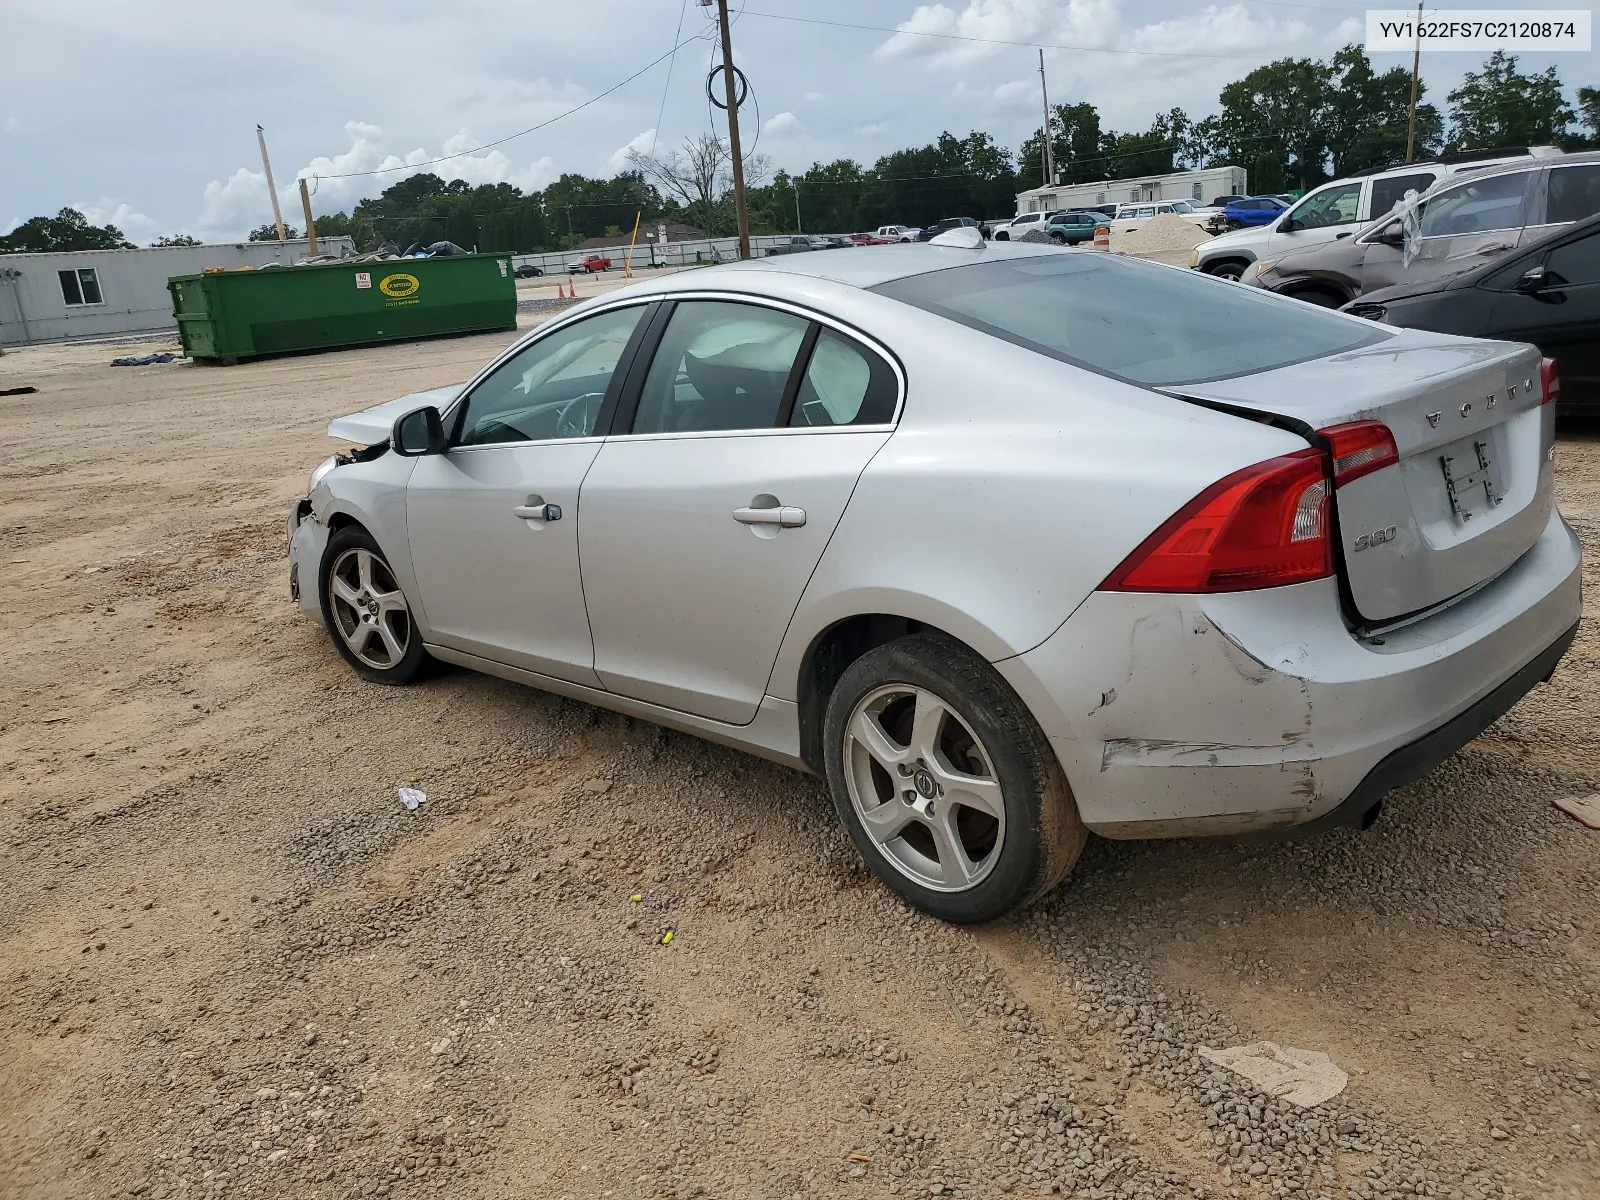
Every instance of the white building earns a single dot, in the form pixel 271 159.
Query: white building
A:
pixel 1182 185
pixel 59 296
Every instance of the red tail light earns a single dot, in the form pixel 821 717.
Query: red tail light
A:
pixel 1360 448
pixel 1264 526
pixel 1549 381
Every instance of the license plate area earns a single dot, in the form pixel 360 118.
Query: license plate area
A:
pixel 1471 478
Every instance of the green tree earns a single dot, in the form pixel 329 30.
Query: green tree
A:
pixel 1366 114
pixel 1589 114
pixel 1077 144
pixel 269 232
pixel 179 239
pixel 69 229
pixel 1274 122
pixel 1500 106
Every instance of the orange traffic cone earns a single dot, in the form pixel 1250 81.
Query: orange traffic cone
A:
pixel 1102 237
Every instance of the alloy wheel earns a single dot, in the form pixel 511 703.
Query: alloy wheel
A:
pixel 924 788
pixel 369 610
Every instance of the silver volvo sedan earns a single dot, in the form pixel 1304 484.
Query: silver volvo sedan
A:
pixel 1009 543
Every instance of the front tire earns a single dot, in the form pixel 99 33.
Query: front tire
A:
pixel 947 786
pixel 366 612
pixel 1227 270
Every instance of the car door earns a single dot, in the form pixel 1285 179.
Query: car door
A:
pixel 1458 228
pixel 1562 317
pixel 1571 193
pixel 493 521
pixel 1318 218
pixel 704 516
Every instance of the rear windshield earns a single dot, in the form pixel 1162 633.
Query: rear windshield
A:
pixel 1140 322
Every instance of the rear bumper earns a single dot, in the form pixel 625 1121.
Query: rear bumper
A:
pixel 1257 712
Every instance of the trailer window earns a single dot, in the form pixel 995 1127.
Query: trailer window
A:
pixel 80 287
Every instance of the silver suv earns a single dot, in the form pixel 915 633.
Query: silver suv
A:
pixel 1339 209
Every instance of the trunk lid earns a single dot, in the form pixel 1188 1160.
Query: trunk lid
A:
pixel 1474 486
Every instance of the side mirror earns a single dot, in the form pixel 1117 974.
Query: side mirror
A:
pixel 1533 280
pixel 1287 225
pixel 417 433
pixel 1392 235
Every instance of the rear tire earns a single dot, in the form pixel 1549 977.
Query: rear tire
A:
pixel 366 612
pixel 946 784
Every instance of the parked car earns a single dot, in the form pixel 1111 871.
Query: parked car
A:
pixel 945 226
pixel 1072 228
pixel 1131 216
pixel 1342 207
pixel 1224 201
pixel 588 265
pixel 1546 292
pixel 1460 221
pixel 1298 589
pixel 526 271
pixel 1253 210
pixel 1021 224
pixel 868 239
pixel 801 243
pixel 838 241
pixel 898 233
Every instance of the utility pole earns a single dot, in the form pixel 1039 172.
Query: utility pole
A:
pixel 1049 153
pixel 798 228
pixel 1416 62
pixel 272 188
pixel 741 210
pixel 311 229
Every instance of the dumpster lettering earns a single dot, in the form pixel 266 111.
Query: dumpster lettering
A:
pixel 397 287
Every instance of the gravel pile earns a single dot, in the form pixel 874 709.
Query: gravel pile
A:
pixel 1164 231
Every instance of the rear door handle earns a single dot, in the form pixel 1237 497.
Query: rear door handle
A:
pixel 784 518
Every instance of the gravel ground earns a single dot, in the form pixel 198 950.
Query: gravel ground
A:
pixel 231 964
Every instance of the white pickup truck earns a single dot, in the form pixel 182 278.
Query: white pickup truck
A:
pixel 897 233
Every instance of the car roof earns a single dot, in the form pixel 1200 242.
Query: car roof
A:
pixel 862 268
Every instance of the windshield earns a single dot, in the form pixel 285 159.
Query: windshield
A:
pixel 1140 322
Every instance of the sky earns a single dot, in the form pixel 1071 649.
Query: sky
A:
pixel 143 115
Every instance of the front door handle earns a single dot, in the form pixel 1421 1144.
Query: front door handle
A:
pixel 537 510
pixel 783 517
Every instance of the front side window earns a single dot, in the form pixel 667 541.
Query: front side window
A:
pixel 1335 205
pixel 1139 322
pixel 1574 193
pixel 81 286
pixel 1478 206
pixel 720 365
pixel 844 384
pixel 553 388
pixel 1577 264
pixel 1386 193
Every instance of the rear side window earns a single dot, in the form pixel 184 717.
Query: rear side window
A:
pixel 1140 322
pixel 1477 206
pixel 1574 193
pixel 1386 193
pixel 844 384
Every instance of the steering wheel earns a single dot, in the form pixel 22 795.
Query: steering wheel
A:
pixel 576 418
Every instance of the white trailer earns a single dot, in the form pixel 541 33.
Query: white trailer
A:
pixel 1181 185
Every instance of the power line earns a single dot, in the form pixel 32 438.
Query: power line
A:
pixel 672 59
pixel 523 133
pixel 963 37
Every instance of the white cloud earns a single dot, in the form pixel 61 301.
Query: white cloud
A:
pixel 619 157
pixel 784 124
pixel 230 208
pixel 135 226
pixel 814 97
pixel 12 124
pixel 1216 30
pixel 873 129
pixel 1028 22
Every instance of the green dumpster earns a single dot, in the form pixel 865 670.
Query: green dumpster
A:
pixel 229 315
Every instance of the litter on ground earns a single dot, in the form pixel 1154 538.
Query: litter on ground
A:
pixel 1302 1077
pixel 411 797
pixel 146 361
pixel 1584 809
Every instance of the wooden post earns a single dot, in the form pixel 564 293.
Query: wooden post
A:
pixel 311 229
pixel 272 188
pixel 627 263
pixel 1049 152
pixel 741 211
pixel 1416 62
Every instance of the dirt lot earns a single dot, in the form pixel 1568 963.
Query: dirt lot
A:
pixel 231 964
